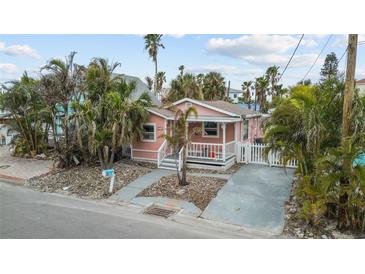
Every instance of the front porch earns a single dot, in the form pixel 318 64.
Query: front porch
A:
pixel 214 148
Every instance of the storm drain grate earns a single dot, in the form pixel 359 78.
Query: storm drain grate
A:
pixel 159 211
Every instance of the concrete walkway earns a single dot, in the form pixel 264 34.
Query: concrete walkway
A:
pixel 254 197
pixel 129 194
pixel 18 170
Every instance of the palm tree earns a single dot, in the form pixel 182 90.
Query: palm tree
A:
pixel 246 88
pixel 161 79
pixel 186 85
pixel 261 86
pixel 272 74
pixel 149 82
pixel 214 86
pixel 65 77
pixel 181 139
pixel 152 45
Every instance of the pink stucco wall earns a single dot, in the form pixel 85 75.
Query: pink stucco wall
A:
pixel 198 138
pixel 150 148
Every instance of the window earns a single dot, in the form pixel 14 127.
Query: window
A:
pixel 235 95
pixel 245 130
pixel 210 129
pixel 149 134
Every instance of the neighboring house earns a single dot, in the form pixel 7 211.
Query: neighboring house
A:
pixel 6 132
pixel 361 86
pixel 234 94
pixel 223 125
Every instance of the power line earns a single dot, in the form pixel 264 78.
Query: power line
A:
pixel 359 44
pixel 315 61
pixel 301 38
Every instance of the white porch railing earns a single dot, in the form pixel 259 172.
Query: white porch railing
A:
pixel 230 149
pixel 205 151
pixel 162 152
pixel 255 153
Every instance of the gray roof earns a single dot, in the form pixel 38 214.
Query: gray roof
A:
pixel 232 90
pixel 163 111
pixel 233 108
pixel 140 88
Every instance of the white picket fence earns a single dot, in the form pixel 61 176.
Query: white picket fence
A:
pixel 254 153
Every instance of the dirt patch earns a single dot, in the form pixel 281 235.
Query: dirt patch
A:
pixel 296 227
pixel 231 170
pixel 86 182
pixel 200 191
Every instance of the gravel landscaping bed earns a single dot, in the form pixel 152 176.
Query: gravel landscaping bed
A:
pixel 231 170
pixel 200 191
pixel 295 227
pixel 139 163
pixel 86 182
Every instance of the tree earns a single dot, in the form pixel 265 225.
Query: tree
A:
pixel 246 88
pixel 330 67
pixel 213 86
pixel 108 118
pixel 261 87
pixel 64 80
pixel 152 45
pixel 21 100
pixel 181 138
pixel 272 74
pixel 149 82
pixel 161 79
pixel 184 85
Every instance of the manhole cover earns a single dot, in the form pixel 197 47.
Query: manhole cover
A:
pixel 4 166
pixel 160 211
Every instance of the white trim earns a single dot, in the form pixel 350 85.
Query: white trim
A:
pixel 214 119
pixel 205 105
pixel 210 136
pixel 154 133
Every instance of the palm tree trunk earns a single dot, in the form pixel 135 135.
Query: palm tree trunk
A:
pixel 155 83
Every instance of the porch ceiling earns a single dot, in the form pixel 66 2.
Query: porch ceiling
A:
pixel 213 119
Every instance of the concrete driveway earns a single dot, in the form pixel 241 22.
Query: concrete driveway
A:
pixel 254 197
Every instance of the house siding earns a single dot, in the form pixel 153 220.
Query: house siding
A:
pixel 148 150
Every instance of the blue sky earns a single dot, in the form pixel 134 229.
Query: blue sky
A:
pixel 237 57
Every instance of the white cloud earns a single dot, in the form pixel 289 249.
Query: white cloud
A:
pixel 176 35
pixel 255 45
pixel 263 49
pixel 360 73
pixel 19 50
pixel 341 41
pixel 8 68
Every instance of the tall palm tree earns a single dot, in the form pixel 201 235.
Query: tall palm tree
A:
pixel 185 86
pixel 246 88
pixel 261 87
pixel 272 74
pixel 152 45
pixel 214 86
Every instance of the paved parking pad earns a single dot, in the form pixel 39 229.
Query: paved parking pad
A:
pixel 254 197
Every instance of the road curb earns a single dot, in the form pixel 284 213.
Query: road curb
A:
pixel 13 179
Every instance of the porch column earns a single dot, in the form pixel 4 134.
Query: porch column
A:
pixel 224 141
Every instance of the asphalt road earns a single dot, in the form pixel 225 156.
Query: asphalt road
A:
pixel 25 213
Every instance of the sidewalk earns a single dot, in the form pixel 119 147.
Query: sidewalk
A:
pixel 18 170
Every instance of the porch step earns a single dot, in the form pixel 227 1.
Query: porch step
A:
pixel 168 163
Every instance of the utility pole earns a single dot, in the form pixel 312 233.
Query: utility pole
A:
pixel 346 122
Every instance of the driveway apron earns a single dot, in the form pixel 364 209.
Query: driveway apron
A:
pixel 254 197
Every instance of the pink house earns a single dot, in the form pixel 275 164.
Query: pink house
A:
pixel 223 125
